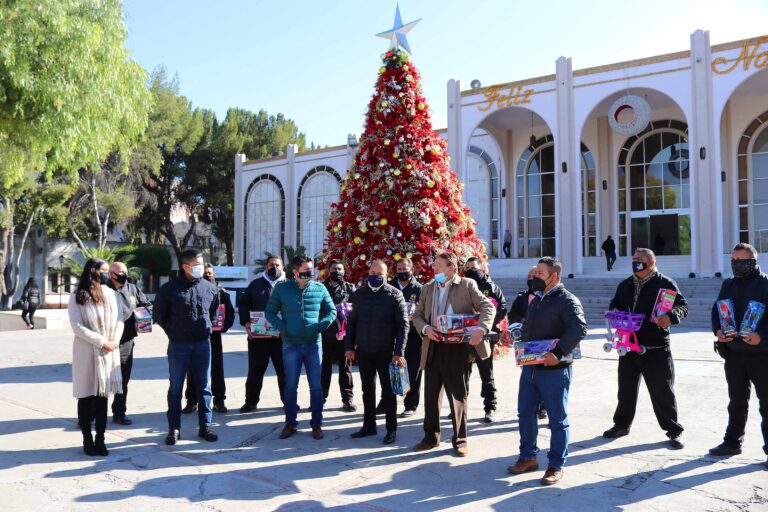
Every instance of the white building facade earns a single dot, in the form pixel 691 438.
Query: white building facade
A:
pixel 541 158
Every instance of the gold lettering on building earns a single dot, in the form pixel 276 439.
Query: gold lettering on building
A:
pixel 750 56
pixel 517 96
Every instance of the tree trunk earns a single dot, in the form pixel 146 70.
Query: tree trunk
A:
pixel 12 263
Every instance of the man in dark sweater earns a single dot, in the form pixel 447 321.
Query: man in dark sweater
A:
pixel 377 331
pixel 130 297
pixel 746 356
pixel 475 269
pixel 555 313
pixel 333 343
pixel 638 294
pixel 182 309
pixel 261 350
pixel 609 250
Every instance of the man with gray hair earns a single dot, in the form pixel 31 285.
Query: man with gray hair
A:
pixel 638 294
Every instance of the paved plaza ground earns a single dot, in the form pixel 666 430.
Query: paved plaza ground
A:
pixel 42 466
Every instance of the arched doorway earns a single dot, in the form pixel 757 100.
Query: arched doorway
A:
pixel 482 192
pixel 264 218
pixel 753 183
pixel 317 192
pixel 535 197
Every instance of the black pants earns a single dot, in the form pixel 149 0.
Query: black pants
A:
pixel 741 371
pixel 31 312
pixel 610 259
pixel 658 371
pixel 90 408
pixel 506 248
pixel 488 390
pixel 119 406
pixel 333 353
pixel 413 358
pixel 447 374
pixel 218 386
pixel 372 363
pixel 260 351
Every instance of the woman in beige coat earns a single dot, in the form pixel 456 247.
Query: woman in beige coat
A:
pixel 95 320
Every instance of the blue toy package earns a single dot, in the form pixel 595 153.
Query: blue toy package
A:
pixel 726 312
pixel 398 376
pixel 532 352
pixel 752 318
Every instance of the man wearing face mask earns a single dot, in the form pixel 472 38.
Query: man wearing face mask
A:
pixel 746 357
pixel 301 309
pixel 130 297
pixel 333 344
pixel 182 308
pixel 218 385
pixel 447 365
pixel 376 336
pixel 261 350
pixel 411 290
pixel 474 269
pixel 638 294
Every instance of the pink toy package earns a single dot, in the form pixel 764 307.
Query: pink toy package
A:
pixel 665 301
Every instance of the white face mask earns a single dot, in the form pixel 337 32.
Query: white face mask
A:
pixel 197 271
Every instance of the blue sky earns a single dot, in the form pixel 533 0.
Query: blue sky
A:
pixel 316 62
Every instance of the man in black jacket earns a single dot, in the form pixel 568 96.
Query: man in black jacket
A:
pixel 405 281
pixel 261 350
pixel 638 294
pixel 746 356
pixel 377 330
pixel 475 269
pixel 130 297
pixel 609 250
pixel 555 313
pixel 218 385
pixel 182 309
pixel 333 344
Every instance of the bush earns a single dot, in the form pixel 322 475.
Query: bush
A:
pixel 153 259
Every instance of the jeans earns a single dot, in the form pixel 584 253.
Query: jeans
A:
pixel 218 386
pixel 550 387
pixel 195 355
pixel 310 355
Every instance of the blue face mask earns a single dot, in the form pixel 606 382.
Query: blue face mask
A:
pixel 375 281
pixel 440 278
pixel 639 266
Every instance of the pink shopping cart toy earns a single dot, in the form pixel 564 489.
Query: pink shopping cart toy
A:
pixel 622 332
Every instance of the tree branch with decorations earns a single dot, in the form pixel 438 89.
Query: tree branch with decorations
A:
pixel 400 199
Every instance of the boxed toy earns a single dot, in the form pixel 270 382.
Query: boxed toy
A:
pixel 456 324
pixel 143 320
pixel 726 313
pixel 218 320
pixel 532 352
pixel 665 301
pixel 260 328
pixel 752 318
pixel 398 376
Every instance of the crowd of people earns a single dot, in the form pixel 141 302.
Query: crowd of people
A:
pixel 392 319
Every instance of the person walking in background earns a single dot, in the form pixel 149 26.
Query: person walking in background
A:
pixel 30 301
pixel 507 246
pixel 609 250
pixel 95 318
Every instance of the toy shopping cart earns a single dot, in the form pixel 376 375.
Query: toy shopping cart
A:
pixel 624 335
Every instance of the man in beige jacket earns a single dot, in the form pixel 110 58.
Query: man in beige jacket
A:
pixel 447 365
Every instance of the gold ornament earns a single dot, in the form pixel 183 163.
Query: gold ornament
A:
pixel 357 240
pixel 420 106
pixel 395 155
pixel 397 257
pixel 383 222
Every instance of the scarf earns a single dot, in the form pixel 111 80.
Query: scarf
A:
pixel 103 320
pixel 639 284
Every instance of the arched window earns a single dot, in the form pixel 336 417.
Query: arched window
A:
pixel 317 191
pixel 588 203
pixel 264 218
pixel 654 190
pixel 753 184
pixel 536 200
pixel 482 188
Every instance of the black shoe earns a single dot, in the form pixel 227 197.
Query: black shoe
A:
pixel 380 409
pixel 363 432
pixel 349 407
pixel 542 414
pixel 615 432
pixel 88 446
pixel 220 407
pixel 248 407
pixel 490 416
pixel 121 420
pixel 407 413
pixel 189 408
pixel 99 447
pixel 207 434
pixel 676 442
pixel 390 437
pixel 723 450
pixel 173 436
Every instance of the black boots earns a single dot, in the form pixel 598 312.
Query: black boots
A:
pixel 99 445
pixel 93 448
pixel 88 446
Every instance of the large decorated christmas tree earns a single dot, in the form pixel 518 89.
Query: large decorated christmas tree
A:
pixel 400 199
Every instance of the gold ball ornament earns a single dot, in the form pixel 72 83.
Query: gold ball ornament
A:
pixel 357 240
pixel 420 106
pixel 397 257
pixel 382 70
pixel 430 184
pixel 395 155
pixel 383 222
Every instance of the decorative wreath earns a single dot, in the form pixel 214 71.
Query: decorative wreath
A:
pixel 639 121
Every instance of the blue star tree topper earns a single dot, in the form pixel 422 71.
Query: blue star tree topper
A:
pixel 396 34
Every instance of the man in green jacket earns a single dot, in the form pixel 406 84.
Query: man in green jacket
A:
pixel 301 309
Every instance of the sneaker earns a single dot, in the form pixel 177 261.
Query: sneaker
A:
pixel 220 408
pixel 207 434
pixel 676 442
pixel 407 413
pixel 349 407
pixel 424 446
pixel 490 416
pixel 615 432
pixel 552 476
pixel 247 408
pixel 523 466
pixel 189 408
pixel 173 436
pixel 723 450
pixel 288 431
pixel 317 432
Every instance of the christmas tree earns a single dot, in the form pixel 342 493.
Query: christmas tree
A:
pixel 400 199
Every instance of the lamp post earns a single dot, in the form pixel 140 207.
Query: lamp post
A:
pixel 61 277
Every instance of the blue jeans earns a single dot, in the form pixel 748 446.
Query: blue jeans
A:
pixel 195 355
pixel 311 355
pixel 549 387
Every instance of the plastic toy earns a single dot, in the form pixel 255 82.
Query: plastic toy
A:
pixel 726 313
pixel 624 336
pixel 752 317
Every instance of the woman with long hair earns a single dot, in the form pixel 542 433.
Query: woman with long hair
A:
pixel 30 300
pixel 95 318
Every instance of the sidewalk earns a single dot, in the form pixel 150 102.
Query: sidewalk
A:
pixel 42 466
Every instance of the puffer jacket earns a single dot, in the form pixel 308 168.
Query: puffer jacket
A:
pixel 378 321
pixel 303 314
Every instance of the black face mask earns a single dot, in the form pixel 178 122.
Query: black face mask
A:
pixel 305 275
pixel 639 266
pixel 404 276
pixel 538 284
pixel 337 276
pixel 530 284
pixel 743 268
pixel 212 279
pixel 274 272
pixel 104 276
pixel 474 274
pixel 121 278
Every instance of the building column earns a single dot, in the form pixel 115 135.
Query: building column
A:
pixel 707 206
pixel 607 204
pixel 568 174
pixel 455 146
pixel 239 232
pixel 291 225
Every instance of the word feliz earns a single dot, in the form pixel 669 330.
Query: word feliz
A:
pixel 516 96
pixel 749 55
